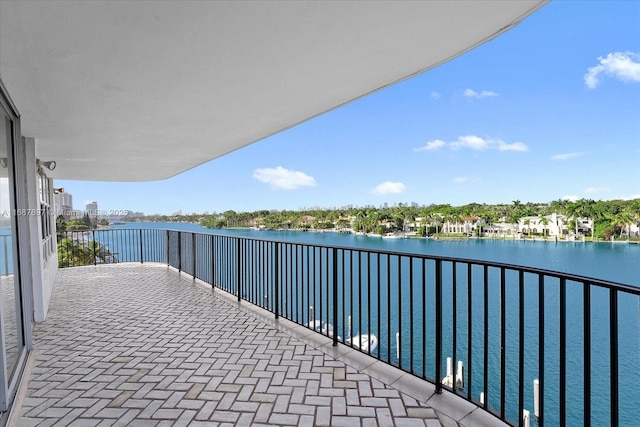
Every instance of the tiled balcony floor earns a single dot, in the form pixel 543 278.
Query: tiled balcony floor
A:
pixel 134 344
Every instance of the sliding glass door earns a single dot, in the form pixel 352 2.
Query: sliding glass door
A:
pixel 12 324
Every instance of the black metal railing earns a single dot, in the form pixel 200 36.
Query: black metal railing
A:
pixel 565 348
pixel 77 248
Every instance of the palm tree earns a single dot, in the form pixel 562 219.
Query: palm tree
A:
pixel 457 218
pixel 574 210
pixel 231 218
pixel 342 224
pixel 448 221
pixel 544 221
pixel 435 218
pixel 516 205
pixel 590 211
pixel 629 216
pixel 513 219
pixel 634 210
pixel 559 206
pixel 373 220
pixel 489 217
pixel 61 224
pixel 359 222
pixel 621 219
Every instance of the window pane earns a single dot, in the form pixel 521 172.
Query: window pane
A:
pixel 10 296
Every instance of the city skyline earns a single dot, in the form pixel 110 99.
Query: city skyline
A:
pixel 549 110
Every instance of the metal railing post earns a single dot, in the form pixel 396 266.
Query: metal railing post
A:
pixel 587 353
pixel 411 350
pixel 193 253
pixel 613 347
pixel 438 326
pixel 141 255
pixel 563 353
pixel 469 329
pixel 521 348
pixel 454 321
pixel 276 282
pixel 485 338
pixel 213 262
pixel 179 251
pixel 399 333
pixel 167 247
pixel 541 350
pixel 335 297
pixel 503 344
pixel 93 246
pixel 238 271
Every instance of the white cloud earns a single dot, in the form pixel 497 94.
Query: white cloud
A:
pixel 624 66
pixel 469 141
pixel 566 156
pixel 435 95
pixel 464 179
pixel 432 145
pixel 571 198
pixel 389 187
pixel 515 146
pixel 470 93
pixel 632 197
pixel 596 189
pixel 475 143
pixel 283 179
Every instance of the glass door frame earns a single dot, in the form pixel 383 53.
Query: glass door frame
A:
pixel 10 381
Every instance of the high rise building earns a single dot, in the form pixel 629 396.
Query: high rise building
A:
pixel 92 209
pixel 63 204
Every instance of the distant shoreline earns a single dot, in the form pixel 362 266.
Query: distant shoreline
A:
pixel 403 235
pixel 438 238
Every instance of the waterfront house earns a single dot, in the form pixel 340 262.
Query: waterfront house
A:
pixel 464 225
pixel 419 222
pixel 500 230
pixel 554 225
pixel 306 221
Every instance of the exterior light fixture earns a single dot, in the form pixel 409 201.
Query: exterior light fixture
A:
pixel 51 165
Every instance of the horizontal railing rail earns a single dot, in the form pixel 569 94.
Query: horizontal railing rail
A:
pixel 525 344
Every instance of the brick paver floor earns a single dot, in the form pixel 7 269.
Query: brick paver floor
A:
pixel 141 345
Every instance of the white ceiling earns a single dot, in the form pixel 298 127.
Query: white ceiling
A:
pixel 142 90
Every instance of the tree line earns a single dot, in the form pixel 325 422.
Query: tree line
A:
pixel 611 218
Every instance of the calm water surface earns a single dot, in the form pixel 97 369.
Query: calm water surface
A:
pixel 616 262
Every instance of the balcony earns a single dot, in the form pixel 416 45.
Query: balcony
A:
pixel 531 345
pixel 141 344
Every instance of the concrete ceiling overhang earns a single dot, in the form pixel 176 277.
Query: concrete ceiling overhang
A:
pixel 141 90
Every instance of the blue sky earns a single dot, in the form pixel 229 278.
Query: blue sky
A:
pixel 549 110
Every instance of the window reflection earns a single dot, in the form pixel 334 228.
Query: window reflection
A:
pixel 9 281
